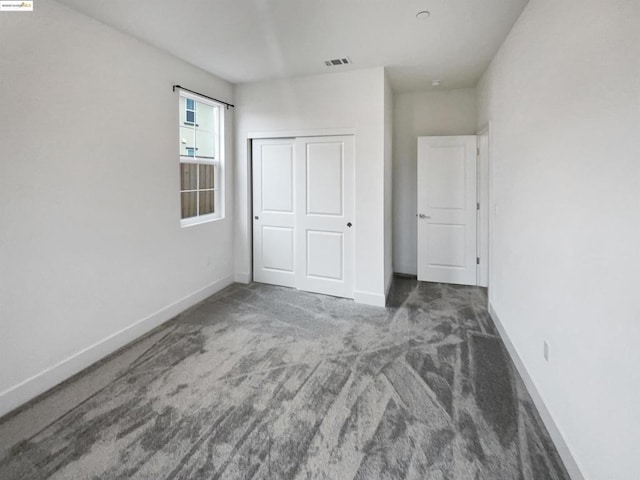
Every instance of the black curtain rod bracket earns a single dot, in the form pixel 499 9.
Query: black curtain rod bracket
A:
pixel 205 96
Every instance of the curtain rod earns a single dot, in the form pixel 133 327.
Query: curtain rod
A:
pixel 205 96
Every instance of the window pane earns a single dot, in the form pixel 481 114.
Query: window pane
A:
pixel 206 115
pixel 190 104
pixel 191 117
pixel 189 205
pixel 187 140
pixel 188 176
pixel 207 202
pixel 204 144
pixel 207 173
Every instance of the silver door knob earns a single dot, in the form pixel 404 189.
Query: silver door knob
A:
pixel 422 215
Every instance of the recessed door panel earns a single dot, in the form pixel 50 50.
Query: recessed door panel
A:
pixel 324 255
pixel 277 174
pixel 277 248
pixel 447 214
pixel 324 177
pixel 446 244
pixel 446 178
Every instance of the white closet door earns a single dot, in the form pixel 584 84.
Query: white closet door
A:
pixel 325 229
pixel 447 215
pixel 274 210
pixel 303 207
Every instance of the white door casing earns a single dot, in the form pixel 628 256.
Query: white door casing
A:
pixel 447 214
pixel 303 201
pixel 483 212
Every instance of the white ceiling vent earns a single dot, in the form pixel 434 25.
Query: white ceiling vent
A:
pixel 337 61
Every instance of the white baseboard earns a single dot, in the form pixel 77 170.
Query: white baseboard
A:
pixel 559 441
pixel 368 298
pixel 30 388
pixel 244 277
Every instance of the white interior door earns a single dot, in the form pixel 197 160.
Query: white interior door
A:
pixel 447 213
pixel 274 210
pixel 303 207
pixel 325 206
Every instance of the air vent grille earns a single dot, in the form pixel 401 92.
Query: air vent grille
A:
pixel 337 61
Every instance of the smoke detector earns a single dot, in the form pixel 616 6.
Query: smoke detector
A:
pixel 337 61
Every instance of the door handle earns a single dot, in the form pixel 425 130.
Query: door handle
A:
pixel 422 215
pixel 257 217
pixel 349 224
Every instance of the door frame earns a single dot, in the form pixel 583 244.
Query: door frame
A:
pixel 330 132
pixel 485 200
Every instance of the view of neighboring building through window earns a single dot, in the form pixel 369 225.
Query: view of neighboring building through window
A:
pixel 190 110
pixel 200 158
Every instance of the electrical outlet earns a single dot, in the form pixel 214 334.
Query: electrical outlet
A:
pixel 546 350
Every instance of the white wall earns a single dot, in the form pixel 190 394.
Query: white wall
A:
pixel 563 97
pixel 91 251
pixel 347 100
pixel 388 183
pixel 450 112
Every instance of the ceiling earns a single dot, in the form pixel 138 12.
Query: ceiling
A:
pixel 252 40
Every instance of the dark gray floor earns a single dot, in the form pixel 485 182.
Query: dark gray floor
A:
pixel 265 382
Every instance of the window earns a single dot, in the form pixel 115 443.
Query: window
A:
pixel 201 153
pixel 190 111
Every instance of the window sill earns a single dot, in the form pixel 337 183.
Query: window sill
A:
pixel 192 221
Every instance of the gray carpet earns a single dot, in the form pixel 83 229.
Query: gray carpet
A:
pixel 265 382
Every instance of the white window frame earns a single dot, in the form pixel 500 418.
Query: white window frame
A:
pixel 217 161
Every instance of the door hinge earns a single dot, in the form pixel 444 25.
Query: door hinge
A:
pixel 477 260
pixel 478 206
pixel 478 151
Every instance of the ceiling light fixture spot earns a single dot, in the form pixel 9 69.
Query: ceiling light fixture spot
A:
pixel 423 15
pixel 435 83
